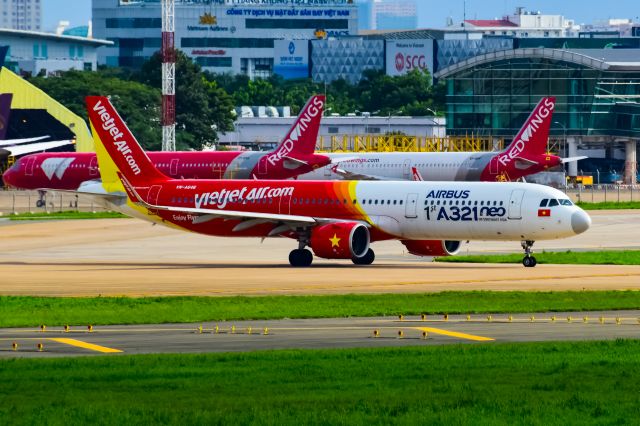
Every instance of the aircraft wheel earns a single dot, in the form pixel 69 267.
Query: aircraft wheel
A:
pixel 367 259
pixel 39 203
pixel 300 258
pixel 529 262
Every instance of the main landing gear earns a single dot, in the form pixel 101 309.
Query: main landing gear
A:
pixel 529 261
pixel 367 259
pixel 300 257
pixel 42 201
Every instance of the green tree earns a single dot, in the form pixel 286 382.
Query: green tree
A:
pixel 203 109
pixel 138 104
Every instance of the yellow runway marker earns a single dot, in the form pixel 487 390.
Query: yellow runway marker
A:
pixel 456 334
pixel 85 345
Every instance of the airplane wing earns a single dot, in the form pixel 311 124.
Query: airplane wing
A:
pixel 9 142
pixel 356 176
pixel 571 159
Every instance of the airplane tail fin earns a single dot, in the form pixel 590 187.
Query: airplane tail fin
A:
pixel 117 149
pixel 532 137
pixel 5 111
pixel 301 139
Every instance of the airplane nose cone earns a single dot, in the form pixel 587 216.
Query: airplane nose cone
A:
pixel 8 178
pixel 580 221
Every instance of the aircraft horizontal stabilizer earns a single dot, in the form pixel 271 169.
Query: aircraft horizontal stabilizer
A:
pixel 572 159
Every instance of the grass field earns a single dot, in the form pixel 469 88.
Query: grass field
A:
pixel 18 311
pixel 610 205
pixel 613 257
pixel 66 215
pixel 539 383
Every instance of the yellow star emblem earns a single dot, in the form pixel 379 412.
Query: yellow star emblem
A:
pixel 335 241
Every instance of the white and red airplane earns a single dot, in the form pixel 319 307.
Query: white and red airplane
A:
pixel 526 155
pixel 292 157
pixel 336 219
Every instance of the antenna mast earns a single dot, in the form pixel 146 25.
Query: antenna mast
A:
pixel 168 76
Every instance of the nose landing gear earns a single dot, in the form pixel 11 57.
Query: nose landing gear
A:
pixel 529 261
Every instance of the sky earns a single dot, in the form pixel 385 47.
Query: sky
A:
pixel 431 13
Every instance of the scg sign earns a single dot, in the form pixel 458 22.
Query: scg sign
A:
pixel 410 62
pixel 405 56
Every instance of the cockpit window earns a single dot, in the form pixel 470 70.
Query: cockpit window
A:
pixel 565 202
pixel 544 202
pixel 553 202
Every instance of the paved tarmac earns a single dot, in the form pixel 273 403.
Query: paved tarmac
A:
pixel 318 334
pixel 130 257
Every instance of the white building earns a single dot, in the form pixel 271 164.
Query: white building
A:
pixel 223 36
pixel 21 14
pixel 270 130
pixel 32 52
pixel 522 24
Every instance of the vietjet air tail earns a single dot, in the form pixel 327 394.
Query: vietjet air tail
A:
pixel 526 155
pixel 337 220
pixel 293 156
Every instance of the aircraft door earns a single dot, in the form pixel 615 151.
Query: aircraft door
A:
pixel 262 165
pixel 406 170
pixel 154 193
pixel 515 204
pixel 493 166
pixel 93 167
pixel 285 204
pixel 29 166
pixel 173 168
pixel 411 209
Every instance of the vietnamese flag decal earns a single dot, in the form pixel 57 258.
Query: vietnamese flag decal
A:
pixel 544 212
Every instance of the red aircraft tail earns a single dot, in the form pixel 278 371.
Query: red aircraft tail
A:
pixel 532 137
pixel 126 156
pixel 300 141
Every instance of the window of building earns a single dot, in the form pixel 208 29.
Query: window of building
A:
pixel 214 61
pixel 311 24
pixel 243 43
pixel 333 130
pixel 134 23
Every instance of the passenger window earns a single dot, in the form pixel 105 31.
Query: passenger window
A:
pixel 395 202
pixel 553 202
pixel 544 202
pixel 376 202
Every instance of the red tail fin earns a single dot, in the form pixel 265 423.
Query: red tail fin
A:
pixel 301 139
pixel 124 152
pixel 532 137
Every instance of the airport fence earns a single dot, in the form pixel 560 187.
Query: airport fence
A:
pixel 612 193
pixel 13 202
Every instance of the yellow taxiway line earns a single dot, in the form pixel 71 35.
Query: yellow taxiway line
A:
pixel 85 345
pixel 456 334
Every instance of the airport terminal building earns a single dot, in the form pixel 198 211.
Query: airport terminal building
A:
pixel 223 36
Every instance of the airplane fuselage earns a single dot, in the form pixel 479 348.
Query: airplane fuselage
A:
pixel 68 170
pixel 433 166
pixel 392 210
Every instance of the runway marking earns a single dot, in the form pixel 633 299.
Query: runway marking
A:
pixel 456 334
pixel 86 345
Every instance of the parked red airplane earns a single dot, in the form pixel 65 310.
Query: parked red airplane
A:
pixel 293 156
pixel 336 219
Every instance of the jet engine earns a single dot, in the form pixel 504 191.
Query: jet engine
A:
pixel 437 248
pixel 344 240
